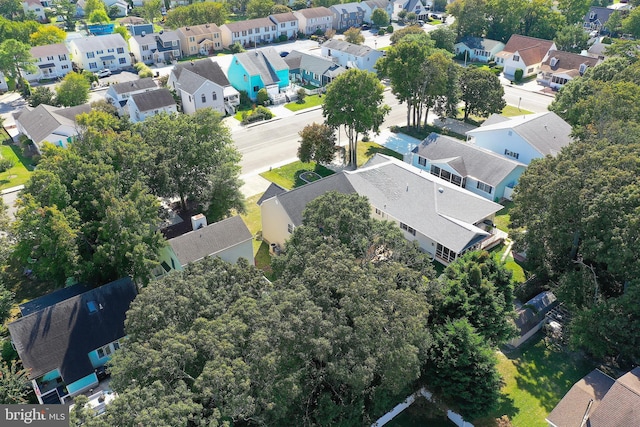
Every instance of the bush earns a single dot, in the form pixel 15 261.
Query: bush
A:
pixel 518 75
pixel 236 48
pixel 390 29
pixel 260 113
pixel 245 101
pixel 381 32
pixel 263 97
pixel 499 68
pixel 283 38
pixel 5 164
pixel 302 94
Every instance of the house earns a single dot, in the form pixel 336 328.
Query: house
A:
pixel 249 33
pixel 351 55
pixel 480 171
pixel 523 138
pixel 444 219
pixel 370 5
pixel 420 7
pixel 531 316
pixel 98 52
pixel 203 84
pixel 143 47
pixel 257 69
pixel 596 19
pixel 200 39
pixel 478 49
pixel 132 20
pixel 229 240
pixel 52 61
pixel 313 70
pixel 65 337
pixel 147 104
pixel 121 5
pixel 599 401
pixel 347 15
pixel 561 67
pixel 154 48
pixel 598 50
pixel 35 7
pixel 525 53
pixel 119 93
pixel 46 123
pixel 286 25
pixel 140 29
pixel 314 20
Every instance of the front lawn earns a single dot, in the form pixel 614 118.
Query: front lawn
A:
pixel 19 173
pixel 366 150
pixel 288 176
pixel 309 102
pixel 511 111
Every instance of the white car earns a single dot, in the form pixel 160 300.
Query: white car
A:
pixel 104 73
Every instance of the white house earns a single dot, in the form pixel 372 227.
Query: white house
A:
pixel 97 52
pixel 370 5
pixel 147 104
pixel 525 53
pixel 203 84
pixel 286 23
pixel 351 55
pixel 122 5
pixel 523 138
pixel 120 93
pixel 36 7
pixel 561 67
pixel 478 49
pixel 52 61
pixel 143 47
pixel 444 219
pixel 249 33
pixel 420 7
pixel 314 20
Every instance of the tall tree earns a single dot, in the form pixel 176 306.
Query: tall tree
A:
pixel 196 14
pixel 469 16
pixel 152 10
pixel 439 87
pixel 504 18
pixel 444 38
pixel 259 8
pixel 379 17
pixel 354 35
pixel 11 9
pixel 631 24
pixel 317 144
pixel 93 6
pixel 481 92
pixel 17 30
pixel 574 11
pixel 15 56
pixel 614 23
pixel 540 19
pixel 74 90
pixel 48 34
pixel 571 38
pixel 67 10
pixel 355 100
pixel 15 383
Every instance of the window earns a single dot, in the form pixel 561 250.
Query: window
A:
pixel 120 50
pixel 145 47
pixel 122 60
pixel 203 98
pixel 408 229
pixel 553 61
pixel 444 253
pixel 90 55
pixel 530 70
pixel 100 52
pixel 244 33
pixel 511 154
pixel 189 98
pixel 516 58
pixel 422 161
pixel 92 65
pixel 65 67
pixel 290 228
pixel 583 68
pixel 250 30
pixel 49 58
pixel 378 211
pixel 193 49
pixel 192 39
pixel 216 36
pixel 214 96
pixel 92 306
pixel 282 25
pixel 484 187
pixel 62 57
pixel 256 88
pixel 100 353
pixel 110 50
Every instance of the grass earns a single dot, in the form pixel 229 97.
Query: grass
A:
pixel 288 176
pixel 253 219
pixel 511 111
pixel 366 150
pixel 19 173
pixel 309 102
pixel 519 275
pixel 503 219
pixel 536 377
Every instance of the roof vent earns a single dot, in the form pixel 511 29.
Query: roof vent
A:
pixel 198 221
pixel 440 190
pixel 186 28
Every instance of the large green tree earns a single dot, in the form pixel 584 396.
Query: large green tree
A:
pixel 15 56
pixel 15 383
pixel 469 14
pixel 631 24
pixel 481 92
pixel 196 14
pixel 73 90
pixel 17 30
pixel 67 10
pixel 318 143
pixel 440 88
pixel 259 8
pixel 379 17
pixel 354 100
pixel 48 34
pixel 152 10
pixel 354 35
pixel 574 11
pixel 571 38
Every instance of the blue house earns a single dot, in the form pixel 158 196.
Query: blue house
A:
pixel 312 69
pixel 478 48
pixel 257 69
pixel 65 338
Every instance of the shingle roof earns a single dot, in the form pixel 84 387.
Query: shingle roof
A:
pixel 468 159
pixel 199 30
pixel 347 7
pixel 49 50
pixel 621 405
pixel 263 62
pixel 313 63
pixel 546 132
pixel 600 14
pixel 205 68
pixel 480 43
pixel 249 24
pixel 210 240
pixel 380 4
pixel 567 61
pixel 60 336
pixel 131 20
pixel 530 49
pixel 43 120
pixel 153 100
pixel 283 17
pixel 94 43
pixel 135 85
pixel 315 12
pixel 350 48
pixel 271 191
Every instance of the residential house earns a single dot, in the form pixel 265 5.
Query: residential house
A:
pixel 313 70
pixel 3 83
pixel 525 53
pixel 444 219
pixel 523 138
pixel 120 93
pixel 140 29
pixel 203 84
pixel 168 46
pixel 596 19
pixel 286 25
pixel 351 55
pixel 257 69
pixel 420 7
pixel 121 5
pixel 314 20
pixel 132 20
pixel 478 49
pixel 65 337
pixel 35 7
pixel 599 401
pixel 147 104
pixel 200 39
pixel 98 52
pixel 598 50
pixel 480 171
pixel 52 61
pixel 229 240
pixel 249 33
pixel 370 5
pixel 347 15
pixel 143 47
pixel 561 67
pixel 46 123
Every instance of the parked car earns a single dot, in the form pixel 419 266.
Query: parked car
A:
pixel 365 27
pixel 104 73
pixel 283 54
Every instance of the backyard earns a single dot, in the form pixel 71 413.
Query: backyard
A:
pixel 19 173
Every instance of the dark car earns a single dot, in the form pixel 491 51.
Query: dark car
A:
pixel 283 54
pixel 365 27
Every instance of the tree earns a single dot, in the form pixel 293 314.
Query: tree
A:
pixel 318 143
pixel 48 34
pixel 574 11
pixel 41 95
pixel 439 89
pixel 14 386
pixel 74 90
pixel 614 23
pixel 11 9
pixel 262 97
pixel 15 56
pixel 17 30
pixel 398 35
pixel 196 14
pixel 93 6
pixel 259 8
pixel 631 24
pixel 402 15
pixel 481 92
pixel 152 10
pixel 354 35
pixel 299 5
pixel 280 8
pixel 98 17
pixel 67 10
pixel 123 32
pixel 469 14
pixel 380 18
pixel 444 38
pixel 354 99
pixel 571 38
pixel 540 19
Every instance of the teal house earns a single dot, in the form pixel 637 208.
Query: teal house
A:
pixel 257 69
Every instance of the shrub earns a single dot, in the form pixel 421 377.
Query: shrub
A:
pixel 162 80
pixel 283 38
pixel 319 32
pixel 245 101
pixel 302 94
pixel 518 75
pixel 263 97
pixel 5 164
pixel 390 29
pixel 381 32
pixel 499 68
pixel 236 48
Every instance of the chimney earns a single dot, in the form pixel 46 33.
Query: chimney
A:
pixel 198 221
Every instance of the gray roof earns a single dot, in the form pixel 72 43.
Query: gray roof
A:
pixel 350 48
pixel 283 17
pixel 147 38
pixel 45 119
pixel 467 159
pixel 567 61
pixel 480 43
pixel 315 12
pixel 94 43
pixel 154 99
pixel 168 36
pixel 263 62
pixel 210 240
pixel 272 190
pixel 377 4
pixel 201 31
pixel 249 24
pixel 49 50
pixel 600 14
pixel 546 132
pixel 205 68
pixel 134 86
pixel 621 405
pixel 61 335
pixel 313 64
pixel 534 311
pixel 347 8
pixel 495 118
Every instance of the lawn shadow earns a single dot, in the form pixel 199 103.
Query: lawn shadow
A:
pixel 371 151
pixel 506 406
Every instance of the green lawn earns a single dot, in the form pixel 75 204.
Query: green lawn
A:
pixel 19 173
pixel 503 219
pixel 309 102
pixel 519 275
pixel 253 219
pixel 510 111
pixel 287 176
pixel 366 150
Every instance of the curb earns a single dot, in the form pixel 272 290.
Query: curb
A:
pixel 11 190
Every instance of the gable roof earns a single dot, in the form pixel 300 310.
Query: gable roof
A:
pixel 546 132
pixel 272 190
pixel 263 62
pixel 467 159
pixel 350 48
pixel 205 68
pixel 621 405
pixel 131 20
pixel 134 85
pixel 315 12
pixel 49 50
pixel 313 63
pixel 377 4
pixel 480 43
pixel 249 24
pixel 154 99
pixel 61 335
pixel 94 43
pixel 347 8
pixel 600 14
pixel 43 120
pixel 567 61
pixel 283 17
pixel 584 397
pixel 199 31
pixel 210 240
pixel 532 50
